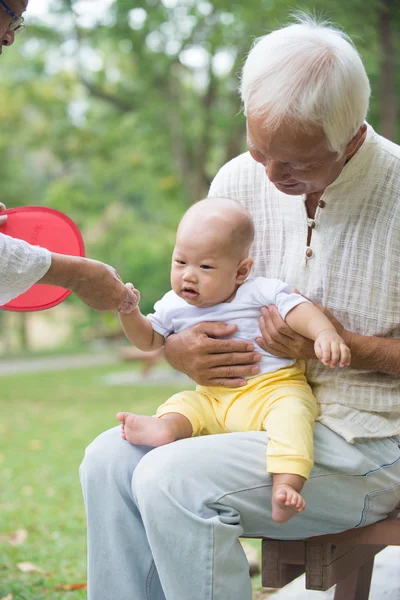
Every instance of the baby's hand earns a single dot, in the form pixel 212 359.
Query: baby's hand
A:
pixel 132 300
pixel 331 349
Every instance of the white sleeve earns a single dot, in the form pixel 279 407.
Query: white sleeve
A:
pixel 161 318
pixel 274 291
pixel 21 265
pixel 286 299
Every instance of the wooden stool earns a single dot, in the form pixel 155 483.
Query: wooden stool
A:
pixel 345 559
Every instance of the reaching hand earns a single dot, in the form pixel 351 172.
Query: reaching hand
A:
pixel 98 285
pixel 331 349
pixel 3 218
pixel 132 300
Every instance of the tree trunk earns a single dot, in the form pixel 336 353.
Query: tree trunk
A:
pixel 22 329
pixel 387 78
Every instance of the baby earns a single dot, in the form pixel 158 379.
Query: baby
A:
pixel 210 282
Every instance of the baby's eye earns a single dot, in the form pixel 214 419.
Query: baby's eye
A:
pixel 206 267
pixel 179 262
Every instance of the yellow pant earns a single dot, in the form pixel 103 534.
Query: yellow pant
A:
pixel 281 403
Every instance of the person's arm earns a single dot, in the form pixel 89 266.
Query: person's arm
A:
pixel 138 328
pixel 22 265
pixel 307 320
pixel 95 283
pixel 367 352
pixel 210 361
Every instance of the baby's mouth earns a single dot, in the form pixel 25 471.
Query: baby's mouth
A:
pixel 189 292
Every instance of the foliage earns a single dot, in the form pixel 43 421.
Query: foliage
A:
pixel 122 118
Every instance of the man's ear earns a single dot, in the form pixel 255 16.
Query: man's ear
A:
pixel 355 142
pixel 243 270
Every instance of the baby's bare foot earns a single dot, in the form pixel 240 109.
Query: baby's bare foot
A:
pixel 286 503
pixel 145 431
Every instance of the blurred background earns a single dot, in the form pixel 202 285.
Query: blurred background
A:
pixel 119 113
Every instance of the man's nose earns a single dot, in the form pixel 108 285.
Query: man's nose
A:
pixel 8 38
pixel 276 171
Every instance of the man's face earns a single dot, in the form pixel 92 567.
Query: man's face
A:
pixel 7 36
pixel 295 162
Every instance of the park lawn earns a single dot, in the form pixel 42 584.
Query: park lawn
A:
pixel 47 420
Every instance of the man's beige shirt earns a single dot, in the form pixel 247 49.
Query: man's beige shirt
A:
pixel 352 267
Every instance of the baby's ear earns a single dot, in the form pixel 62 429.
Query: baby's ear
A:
pixel 243 270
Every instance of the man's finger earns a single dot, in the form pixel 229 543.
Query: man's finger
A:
pixel 228 383
pixel 262 343
pixel 212 346
pixel 275 348
pixel 232 358
pixel 271 313
pixel 215 330
pixel 235 372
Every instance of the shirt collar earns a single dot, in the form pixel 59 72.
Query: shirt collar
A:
pixel 361 159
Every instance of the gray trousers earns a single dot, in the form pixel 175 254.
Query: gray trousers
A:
pixel 164 523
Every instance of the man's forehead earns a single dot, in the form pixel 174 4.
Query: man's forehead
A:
pixel 286 138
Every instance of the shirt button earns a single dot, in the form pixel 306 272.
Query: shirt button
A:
pixel 322 203
pixel 311 223
pixel 309 252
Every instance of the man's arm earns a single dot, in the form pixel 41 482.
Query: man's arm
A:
pixel 367 352
pixel 370 352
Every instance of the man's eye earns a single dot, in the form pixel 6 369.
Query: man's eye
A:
pixel 206 267
pixel 302 167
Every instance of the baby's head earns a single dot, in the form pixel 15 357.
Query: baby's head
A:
pixel 211 255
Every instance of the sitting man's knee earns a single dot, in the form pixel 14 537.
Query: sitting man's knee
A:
pixel 110 453
pixel 160 473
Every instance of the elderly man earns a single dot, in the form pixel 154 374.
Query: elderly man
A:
pixel 324 191
pixel 22 265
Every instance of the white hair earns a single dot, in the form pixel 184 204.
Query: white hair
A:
pixel 310 75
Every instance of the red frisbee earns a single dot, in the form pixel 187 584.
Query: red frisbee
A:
pixel 51 229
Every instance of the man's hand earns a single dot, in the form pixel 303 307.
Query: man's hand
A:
pixel 331 349
pixel 210 361
pixel 3 218
pixel 279 339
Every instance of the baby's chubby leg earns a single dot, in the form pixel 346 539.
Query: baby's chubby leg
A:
pixel 154 431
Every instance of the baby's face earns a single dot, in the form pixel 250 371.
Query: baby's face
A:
pixel 204 269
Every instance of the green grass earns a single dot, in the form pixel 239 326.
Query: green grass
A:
pixel 47 421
